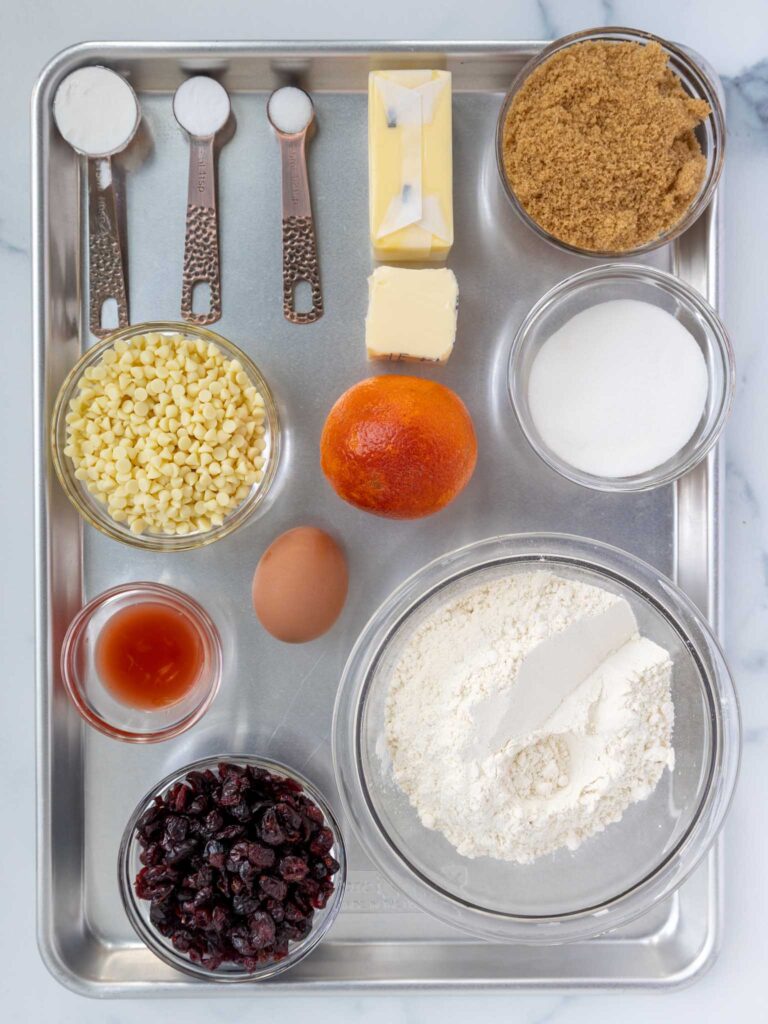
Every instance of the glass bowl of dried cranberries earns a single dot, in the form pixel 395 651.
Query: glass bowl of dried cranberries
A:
pixel 232 869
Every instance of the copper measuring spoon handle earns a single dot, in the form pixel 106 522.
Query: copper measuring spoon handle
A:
pixel 201 240
pixel 106 266
pixel 300 261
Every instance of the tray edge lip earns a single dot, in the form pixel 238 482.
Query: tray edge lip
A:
pixel 68 58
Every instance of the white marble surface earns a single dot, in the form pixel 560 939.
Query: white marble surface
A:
pixel 733 35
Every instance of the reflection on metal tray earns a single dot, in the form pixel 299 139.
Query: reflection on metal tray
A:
pixel 276 700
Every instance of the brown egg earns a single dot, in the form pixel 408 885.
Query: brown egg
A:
pixel 300 585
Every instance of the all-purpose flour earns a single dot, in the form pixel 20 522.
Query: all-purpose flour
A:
pixel 604 746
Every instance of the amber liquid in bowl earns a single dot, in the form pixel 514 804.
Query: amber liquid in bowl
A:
pixel 149 656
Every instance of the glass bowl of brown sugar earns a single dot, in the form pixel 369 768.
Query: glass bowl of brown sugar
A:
pixel 610 142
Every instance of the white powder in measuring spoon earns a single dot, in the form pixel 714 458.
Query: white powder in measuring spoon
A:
pixel 201 106
pixel 96 111
pixel 289 110
pixel 618 389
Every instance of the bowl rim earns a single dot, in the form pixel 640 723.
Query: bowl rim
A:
pixel 167 954
pixel 157 591
pixel 161 542
pixel 539 549
pixel 708 91
pixel 686 295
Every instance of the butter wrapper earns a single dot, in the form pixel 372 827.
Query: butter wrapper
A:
pixel 410 164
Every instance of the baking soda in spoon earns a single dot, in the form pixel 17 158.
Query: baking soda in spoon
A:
pixel 201 107
pixel 290 109
pixel 618 389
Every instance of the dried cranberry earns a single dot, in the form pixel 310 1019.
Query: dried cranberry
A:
pixel 197 782
pixel 260 856
pixel 230 793
pixel 270 831
pixel 151 854
pixel 293 869
pixel 215 853
pixel 180 851
pixel 293 785
pixel 275 888
pixel 244 904
pixel 296 931
pixel 198 806
pixel 237 854
pixel 200 879
pixel 308 887
pixel 235 863
pixel 311 811
pixel 159 913
pixel 321 842
pixel 247 872
pixel 241 811
pixel 213 822
pixel 231 832
pixel 182 940
pixel 276 910
pixel 262 929
pixel 178 797
pixel 290 820
pixel 240 938
pixel 293 913
pixel 220 919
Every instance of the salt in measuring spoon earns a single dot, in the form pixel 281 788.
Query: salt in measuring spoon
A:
pixel 292 116
pixel 97 113
pixel 201 106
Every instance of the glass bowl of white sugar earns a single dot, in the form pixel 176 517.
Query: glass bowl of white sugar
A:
pixel 536 738
pixel 622 378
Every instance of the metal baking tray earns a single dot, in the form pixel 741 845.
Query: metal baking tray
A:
pixel 277 700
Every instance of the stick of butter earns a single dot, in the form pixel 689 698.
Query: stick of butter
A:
pixel 411 314
pixel 410 164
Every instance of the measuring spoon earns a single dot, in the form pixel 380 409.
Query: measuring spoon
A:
pixel 292 116
pixel 97 113
pixel 202 108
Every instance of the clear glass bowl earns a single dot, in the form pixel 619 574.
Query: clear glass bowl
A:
pixel 95 702
pixel 711 133
pixel 129 865
pixel 612 877
pixel 94 512
pixel 645 284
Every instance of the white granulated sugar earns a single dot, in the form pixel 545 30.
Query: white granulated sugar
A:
pixel 604 746
pixel 96 111
pixel 618 389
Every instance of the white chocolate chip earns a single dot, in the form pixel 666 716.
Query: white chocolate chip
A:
pixel 168 433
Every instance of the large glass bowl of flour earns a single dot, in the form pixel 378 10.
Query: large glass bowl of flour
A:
pixel 614 875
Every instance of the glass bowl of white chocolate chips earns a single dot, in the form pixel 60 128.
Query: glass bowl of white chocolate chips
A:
pixel 165 436
pixel 536 738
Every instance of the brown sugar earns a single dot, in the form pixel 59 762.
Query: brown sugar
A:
pixel 599 145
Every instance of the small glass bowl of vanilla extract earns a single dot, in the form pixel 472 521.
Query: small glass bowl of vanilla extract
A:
pixel 142 662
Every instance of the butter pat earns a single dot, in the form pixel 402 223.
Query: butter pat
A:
pixel 410 164
pixel 411 314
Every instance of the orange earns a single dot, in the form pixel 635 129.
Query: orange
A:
pixel 397 446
